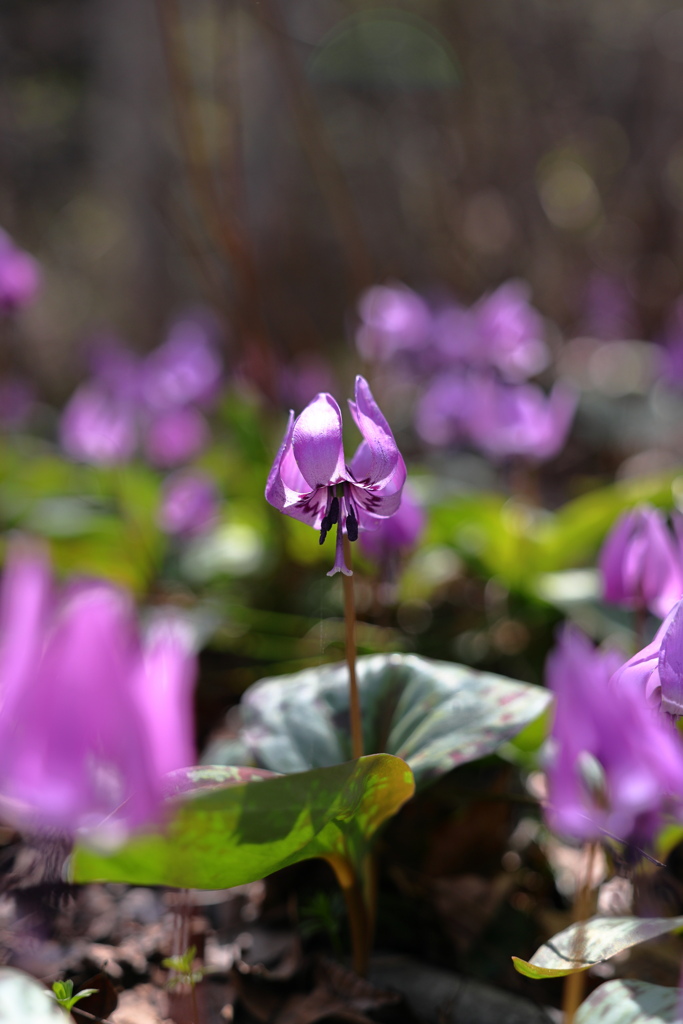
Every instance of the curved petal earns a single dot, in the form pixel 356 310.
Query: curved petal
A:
pixel 317 442
pixel 380 500
pixel 671 663
pixel 309 507
pixel 382 452
pixel 24 606
pixel 275 488
pixel 610 560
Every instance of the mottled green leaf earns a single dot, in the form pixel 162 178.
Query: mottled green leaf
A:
pixel 432 714
pixel 223 831
pixel 23 1000
pixel 590 942
pixel 630 1002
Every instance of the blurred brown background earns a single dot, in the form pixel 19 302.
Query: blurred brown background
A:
pixel 275 157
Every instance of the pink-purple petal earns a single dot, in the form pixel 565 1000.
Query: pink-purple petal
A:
pixel 317 442
pixel 383 453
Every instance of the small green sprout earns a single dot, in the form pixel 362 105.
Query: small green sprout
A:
pixel 183 967
pixel 62 991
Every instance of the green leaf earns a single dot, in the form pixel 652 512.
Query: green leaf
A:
pixel 24 999
pixel 432 714
pixel 630 1002
pixel 590 942
pixel 221 834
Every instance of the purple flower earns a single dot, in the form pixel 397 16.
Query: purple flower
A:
pixel 189 503
pixel 444 411
pixel 615 767
pixel 397 534
pixel 457 336
pixel 520 419
pixel 394 318
pixel 656 672
pixel 116 369
pixel 176 436
pixel 98 427
pixel 311 481
pixel 641 563
pixel 89 715
pixel 19 275
pixel 512 331
pixel 185 369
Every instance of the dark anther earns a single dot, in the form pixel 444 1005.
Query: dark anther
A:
pixel 333 514
pixel 330 519
pixel 351 525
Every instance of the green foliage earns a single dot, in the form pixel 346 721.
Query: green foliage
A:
pixel 63 992
pixel 183 967
pixel 221 832
pixel 630 1002
pixel 517 543
pixel 432 714
pixel 590 942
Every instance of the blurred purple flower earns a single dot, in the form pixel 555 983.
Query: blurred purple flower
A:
pixel 444 410
pixel 393 318
pixel 614 766
pixel 397 534
pixel 641 563
pixel 506 419
pixel 164 694
pixel 176 436
pixel 189 503
pixel 19 275
pixel 97 427
pixel 186 368
pixel 656 672
pixel 310 480
pixel 89 716
pixel 116 369
pixel 512 331
pixel 457 336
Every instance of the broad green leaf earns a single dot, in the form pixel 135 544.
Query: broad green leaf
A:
pixel 630 1002
pixel 222 833
pixel 432 714
pixel 23 1000
pixel 590 942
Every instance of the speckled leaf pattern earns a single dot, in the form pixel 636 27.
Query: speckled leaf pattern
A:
pixel 221 834
pixel 631 1002
pixel 590 942
pixel 433 714
pixel 23 1000
pixel 207 776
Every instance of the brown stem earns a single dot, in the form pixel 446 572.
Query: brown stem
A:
pixel 357 912
pixel 574 983
pixel 350 622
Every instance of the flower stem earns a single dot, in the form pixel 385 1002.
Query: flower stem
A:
pixel 359 928
pixel 350 621
pixel 574 983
